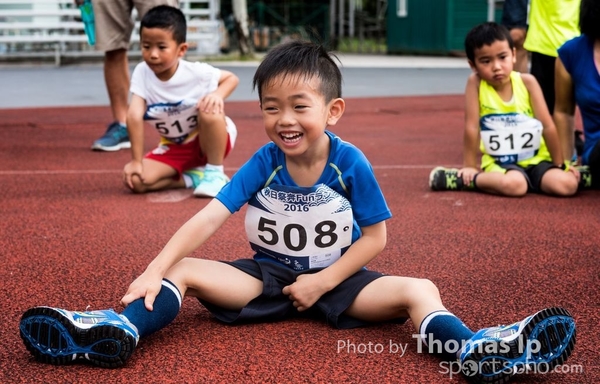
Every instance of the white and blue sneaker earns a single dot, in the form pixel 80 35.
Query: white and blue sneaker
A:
pixel 60 337
pixel 116 137
pixel 535 345
pixel 196 175
pixel 211 183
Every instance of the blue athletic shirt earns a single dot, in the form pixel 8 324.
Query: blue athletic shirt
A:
pixel 577 56
pixel 296 223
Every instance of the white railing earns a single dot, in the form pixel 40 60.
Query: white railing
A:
pixel 46 28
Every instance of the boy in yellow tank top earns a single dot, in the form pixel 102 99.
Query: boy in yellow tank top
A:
pixel 507 121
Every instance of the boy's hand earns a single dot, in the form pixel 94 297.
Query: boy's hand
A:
pixel 147 285
pixel 467 174
pixel 305 291
pixel 132 168
pixel 211 103
pixel 575 172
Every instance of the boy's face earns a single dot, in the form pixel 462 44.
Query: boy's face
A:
pixel 296 115
pixel 494 63
pixel 161 52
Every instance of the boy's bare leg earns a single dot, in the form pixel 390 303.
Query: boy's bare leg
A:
pixel 215 282
pixel 404 297
pixel 511 183
pixel 558 182
pixel 157 176
pixel 213 136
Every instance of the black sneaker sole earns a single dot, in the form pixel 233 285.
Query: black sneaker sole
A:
pixel 554 339
pixel 53 339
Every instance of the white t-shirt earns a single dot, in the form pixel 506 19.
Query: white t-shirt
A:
pixel 171 105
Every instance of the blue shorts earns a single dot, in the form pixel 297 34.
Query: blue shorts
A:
pixel 514 14
pixel 273 305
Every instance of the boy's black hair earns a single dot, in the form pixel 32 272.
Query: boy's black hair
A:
pixel 486 34
pixel 589 18
pixel 303 59
pixel 168 18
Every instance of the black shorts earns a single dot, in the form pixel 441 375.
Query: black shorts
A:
pixel 273 305
pixel 542 68
pixel 514 14
pixel 533 174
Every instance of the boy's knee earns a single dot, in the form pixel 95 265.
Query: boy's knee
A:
pixel 565 184
pixel 425 287
pixel 211 120
pixel 178 272
pixel 514 184
pixel 138 186
pixel 570 187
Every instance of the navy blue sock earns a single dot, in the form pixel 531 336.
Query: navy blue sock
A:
pixel 444 334
pixel 165 309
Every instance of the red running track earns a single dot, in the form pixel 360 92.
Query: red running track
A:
pixel 73 237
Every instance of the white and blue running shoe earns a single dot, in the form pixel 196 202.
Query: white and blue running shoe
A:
pixel 211 184
pixel 59 337
pixel 535 345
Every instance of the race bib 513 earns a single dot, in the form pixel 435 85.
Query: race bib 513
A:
pixel 174 121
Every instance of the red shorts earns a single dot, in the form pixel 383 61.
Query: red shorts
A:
pixel 182 157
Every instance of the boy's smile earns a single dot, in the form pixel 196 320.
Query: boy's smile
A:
pixel 296 115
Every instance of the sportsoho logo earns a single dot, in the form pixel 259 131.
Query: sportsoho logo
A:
pixel 495 366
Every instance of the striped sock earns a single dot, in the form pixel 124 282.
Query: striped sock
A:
pixel 444 334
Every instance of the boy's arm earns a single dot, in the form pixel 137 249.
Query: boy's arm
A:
pixel 135 128
pixel 540 111
pixel 227 84
pixel 187 239
pixel 308 288
pixel 214 102
pixel 564 109
pixel 471 136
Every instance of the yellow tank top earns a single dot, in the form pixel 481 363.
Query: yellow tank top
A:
pixel 492 106
pixel 551 24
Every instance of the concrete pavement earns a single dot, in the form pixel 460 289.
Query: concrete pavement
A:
pixel 31 85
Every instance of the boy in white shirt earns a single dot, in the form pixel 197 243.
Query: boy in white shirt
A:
pixel 184 102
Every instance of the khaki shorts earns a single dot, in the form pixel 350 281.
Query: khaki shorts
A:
pixel 114 21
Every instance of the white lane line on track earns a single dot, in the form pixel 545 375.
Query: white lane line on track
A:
pixel 169 196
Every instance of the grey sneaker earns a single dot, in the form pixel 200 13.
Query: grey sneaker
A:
pixel 114 139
